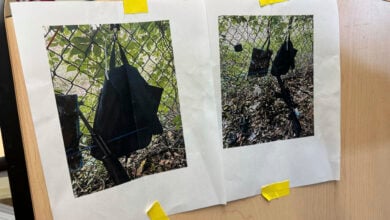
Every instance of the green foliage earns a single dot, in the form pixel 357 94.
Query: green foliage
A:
pixel 251 32
pixel 79 55
pixel 177 122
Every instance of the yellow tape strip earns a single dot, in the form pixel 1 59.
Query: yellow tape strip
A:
pixel 135 6
pixel 276 190
pixel 156 212
pixel 268 2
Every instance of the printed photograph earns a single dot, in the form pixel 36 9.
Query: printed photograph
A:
pixel 117 99
pixel 266 78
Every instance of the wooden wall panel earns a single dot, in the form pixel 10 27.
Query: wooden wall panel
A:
pixel 38 189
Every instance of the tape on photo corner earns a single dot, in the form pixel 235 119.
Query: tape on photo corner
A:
pixel 276 190
pixel 156 212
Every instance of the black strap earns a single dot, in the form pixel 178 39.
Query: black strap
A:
pixel 122 54
pixel 268 40
pixel 290 24
pixel 288 33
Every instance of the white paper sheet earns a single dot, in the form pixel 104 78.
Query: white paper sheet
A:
pixel 306 160
pixel 199 184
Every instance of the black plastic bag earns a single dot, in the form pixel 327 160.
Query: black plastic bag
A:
pixel 126 116
pixel 285 59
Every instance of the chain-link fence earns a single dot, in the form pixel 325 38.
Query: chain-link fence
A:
pixel 251 32
pixel 79 61
pixel 253 100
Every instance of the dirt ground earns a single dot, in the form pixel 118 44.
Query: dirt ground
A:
pixel 252 113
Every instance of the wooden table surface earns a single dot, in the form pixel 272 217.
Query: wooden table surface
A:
pixel 363 192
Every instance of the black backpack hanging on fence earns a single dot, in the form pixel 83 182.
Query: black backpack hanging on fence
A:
pixel 285 58
pixel 261 58
pixel 126 116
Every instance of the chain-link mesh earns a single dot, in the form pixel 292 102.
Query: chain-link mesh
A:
pixel 251 32
pixel 252 99
pixel 79 60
